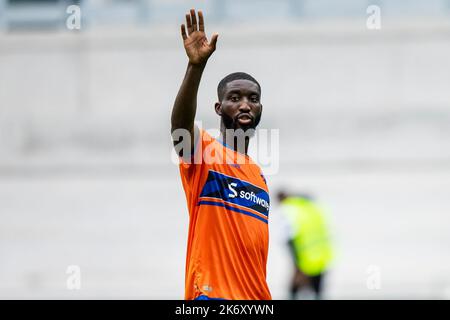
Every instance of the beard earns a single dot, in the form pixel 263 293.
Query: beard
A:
pixel 232 123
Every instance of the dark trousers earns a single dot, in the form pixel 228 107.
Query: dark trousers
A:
pixel 302 281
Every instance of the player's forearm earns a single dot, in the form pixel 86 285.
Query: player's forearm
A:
pixel 185 106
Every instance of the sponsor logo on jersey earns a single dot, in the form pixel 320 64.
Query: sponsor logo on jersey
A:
pixel 236 191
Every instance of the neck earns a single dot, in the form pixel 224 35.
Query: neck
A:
pixel 238 143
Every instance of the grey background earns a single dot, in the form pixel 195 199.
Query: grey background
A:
pixel 86 176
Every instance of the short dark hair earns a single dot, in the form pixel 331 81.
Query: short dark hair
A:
pixel 231 77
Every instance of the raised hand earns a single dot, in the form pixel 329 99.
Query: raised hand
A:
pixel 197 47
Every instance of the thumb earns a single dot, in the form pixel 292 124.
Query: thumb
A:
pixel 214 40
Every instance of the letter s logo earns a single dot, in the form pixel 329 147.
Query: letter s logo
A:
pixel 234 192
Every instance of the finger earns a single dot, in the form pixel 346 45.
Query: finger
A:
pixel 183 32
pixel 201 22
pixel 188 23
pixel 213 41
pixel 194 20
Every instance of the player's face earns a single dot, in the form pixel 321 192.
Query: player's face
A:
pixel 240 107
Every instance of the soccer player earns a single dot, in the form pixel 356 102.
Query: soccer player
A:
pixel 226 192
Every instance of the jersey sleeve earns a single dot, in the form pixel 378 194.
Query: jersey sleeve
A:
pixel 188 161
pixel 191 168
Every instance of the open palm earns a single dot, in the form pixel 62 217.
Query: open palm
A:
pixel 196 44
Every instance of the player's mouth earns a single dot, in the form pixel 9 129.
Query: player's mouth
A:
pixel 244 119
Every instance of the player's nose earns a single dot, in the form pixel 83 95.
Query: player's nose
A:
pixel 244 106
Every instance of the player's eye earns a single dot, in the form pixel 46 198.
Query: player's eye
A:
pixel 234 98
pixel 254 99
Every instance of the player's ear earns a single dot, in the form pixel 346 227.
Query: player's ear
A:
pixel 218 108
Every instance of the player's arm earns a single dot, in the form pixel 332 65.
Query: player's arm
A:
pixel 198 50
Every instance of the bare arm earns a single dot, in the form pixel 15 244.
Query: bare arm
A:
pixel 198 50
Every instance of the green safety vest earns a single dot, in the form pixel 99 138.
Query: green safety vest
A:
pixel 310 235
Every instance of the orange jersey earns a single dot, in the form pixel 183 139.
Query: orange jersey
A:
pixel 228 204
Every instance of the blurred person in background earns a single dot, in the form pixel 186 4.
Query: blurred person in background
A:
pixel 308 242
